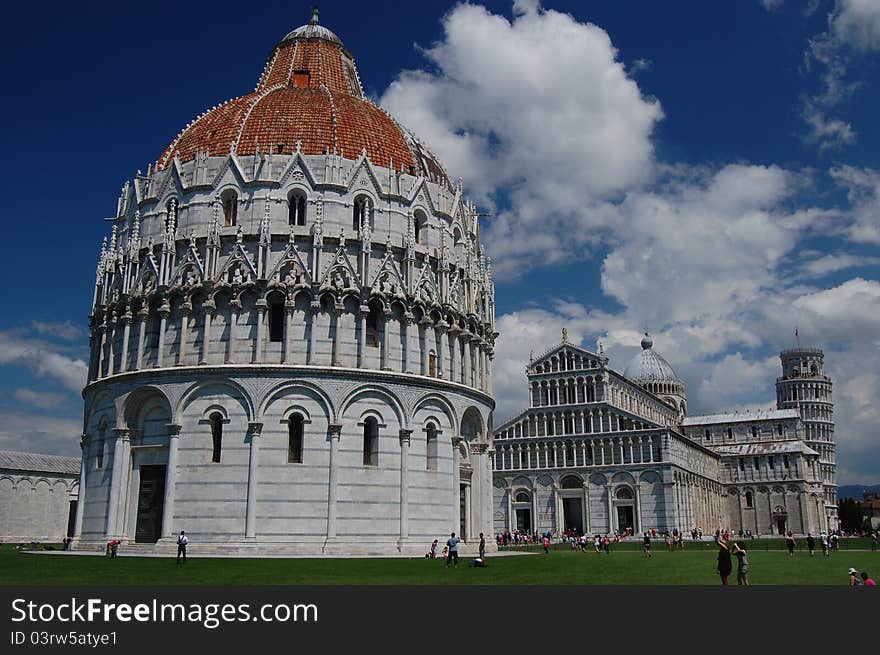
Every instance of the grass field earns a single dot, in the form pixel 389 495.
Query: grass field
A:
pixel 625 566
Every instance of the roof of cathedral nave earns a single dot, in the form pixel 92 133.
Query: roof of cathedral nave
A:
pixel 309 97
pixel 649 365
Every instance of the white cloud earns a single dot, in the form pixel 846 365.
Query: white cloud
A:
pixel 34 432
pixel 835 262
pixel 772 5
pixel 66 331
pixel 826 132
pixel 856 23
pixel 41 399
pixel 539 107
pixel 42 358
pixel 863 190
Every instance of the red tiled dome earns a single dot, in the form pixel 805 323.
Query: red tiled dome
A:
pixel 309 92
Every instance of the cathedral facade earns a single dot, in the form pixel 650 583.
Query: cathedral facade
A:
pixel 292 332
pixel 598 452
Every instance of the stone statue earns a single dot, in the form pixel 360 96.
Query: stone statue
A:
pixel 237 277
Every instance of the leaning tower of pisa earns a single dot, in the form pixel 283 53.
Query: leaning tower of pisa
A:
pixel 805 387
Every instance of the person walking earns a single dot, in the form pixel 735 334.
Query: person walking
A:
pixel 434 549
pixel 823 539
pixel 790 543
pixel 452 553
pixel 482 546
pixel 546 544
pixel 725 565
pixel 742 564
pixel 646 547
pixel 811 544
pixel 182 541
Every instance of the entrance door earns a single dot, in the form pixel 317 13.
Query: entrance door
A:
pixel 463 509
pixel 780 524
pixel 524 520
pixel 151 496
pixel 625 518
pixel 574 519
pixel 71 519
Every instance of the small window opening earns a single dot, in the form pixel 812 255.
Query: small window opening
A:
pixel 296 209
pixel 295 439
pixel 230 208
pixel 371 442
pixel 276 318
pixel 216 420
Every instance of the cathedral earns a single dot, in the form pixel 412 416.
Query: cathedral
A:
pixel 599 452
pixel 292 332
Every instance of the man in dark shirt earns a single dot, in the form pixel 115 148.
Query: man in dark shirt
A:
pixel 647 545
pixel 811 543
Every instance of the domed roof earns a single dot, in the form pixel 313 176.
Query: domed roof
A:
pixel 649 365
pixel 309 96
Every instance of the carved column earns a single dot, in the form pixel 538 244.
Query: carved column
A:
pixel 289 308
pixel 608 490
pixel 117 476
pixel 456 484
pixel 81 498
pixel 362 337
pixel 185 311
pixel 383 352
pixel 164 311
pixel 405 437
pixel 439 330
pixel 250 525
pixel 208 308
pixel 335 315
pixel 639 528
pixel 111 337
pixel 314 308
pixel 170 481
pixel 261 330
pixel 335 433
pixel 234 308
pixel 423 344
pixel 143 317
pixel 587 529
pixel 126 335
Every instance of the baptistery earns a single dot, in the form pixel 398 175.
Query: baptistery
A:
pixel 292 332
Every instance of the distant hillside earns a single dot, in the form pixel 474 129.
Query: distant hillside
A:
pixel 856 490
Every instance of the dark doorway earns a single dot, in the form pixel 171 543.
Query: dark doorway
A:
pixel 71 519
pixel 780 524
pixel 625 518
pixel 463 509
pixel 524 520
pixel 151 496
pixel 574 516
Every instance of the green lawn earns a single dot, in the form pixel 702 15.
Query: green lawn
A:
pixel 694 566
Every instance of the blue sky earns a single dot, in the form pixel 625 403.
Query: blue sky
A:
pixel 707 171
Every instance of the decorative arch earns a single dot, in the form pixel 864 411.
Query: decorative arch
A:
pixel 243 397
pixel 131 406
pixel 275 393
pixel 472 426
pixel 572 481
pixel 392 400
pixel 447 407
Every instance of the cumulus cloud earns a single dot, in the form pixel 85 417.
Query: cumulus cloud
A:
pixel 65 331
pixel 41 433
pixel 540 107
pixel 853 30
pixel 41 399
pixel 42 358
pixel 824 265
pixel 863 190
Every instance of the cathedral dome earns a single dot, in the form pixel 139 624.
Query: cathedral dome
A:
pixel 649 365
pixel 309 97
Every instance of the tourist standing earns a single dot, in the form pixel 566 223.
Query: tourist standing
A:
pixel 811 544
pixel 647 545
pixel 434 549
pixel 790 543
pixel 725 566
pixel 182 541
pixel 546 543
pixel 452 553
pixel 742 564
pixel 482 546
pixel 823 539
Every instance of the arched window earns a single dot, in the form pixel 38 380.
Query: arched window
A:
pixel 102 440
pixel 431 449
pixel 229 199
pixel 374 319
pixel 295 439
pixel 420 222
pixel 276 318
pixel 522 497
pixel 432 364
pixel 360 213
pixel 296 208
pixel 216 420
pixel 750 502
pixel 371 442
pixel 624 493
pixel 572 482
